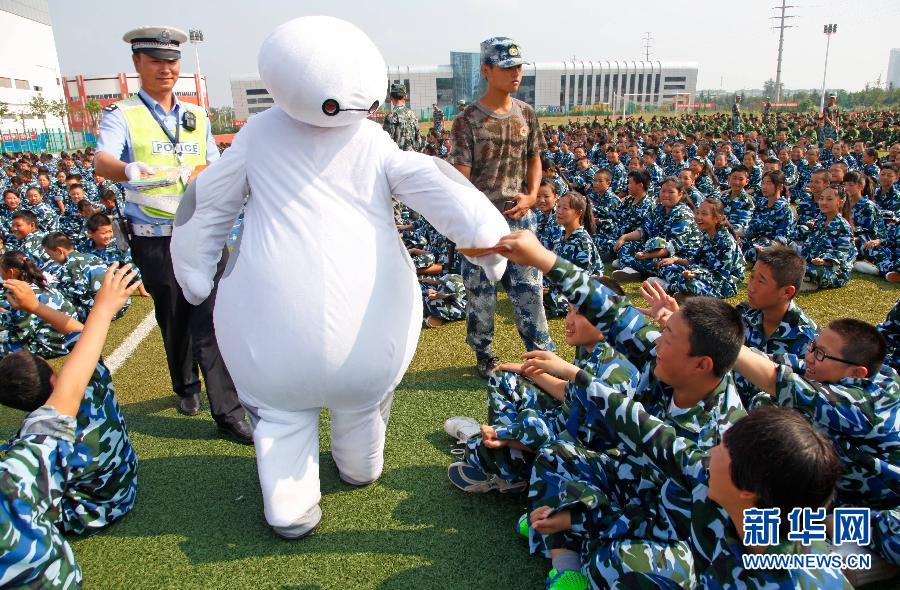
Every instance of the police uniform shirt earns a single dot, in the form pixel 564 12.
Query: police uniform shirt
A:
pixel 116 139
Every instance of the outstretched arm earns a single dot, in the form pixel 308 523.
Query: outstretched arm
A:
pixel 207 212
pixel 75 374
pixel 449 202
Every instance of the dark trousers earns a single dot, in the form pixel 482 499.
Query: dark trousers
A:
pixel 187 330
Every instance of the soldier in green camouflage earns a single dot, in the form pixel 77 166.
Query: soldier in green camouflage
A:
pixel 35 467
pixel 401 123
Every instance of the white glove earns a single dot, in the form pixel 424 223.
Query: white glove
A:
pixel 134 170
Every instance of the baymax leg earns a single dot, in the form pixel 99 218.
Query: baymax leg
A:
pixel 287 458
pixel 357 441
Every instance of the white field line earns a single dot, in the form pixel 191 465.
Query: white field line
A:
pixel 131 342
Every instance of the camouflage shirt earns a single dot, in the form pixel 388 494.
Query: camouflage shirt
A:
pixel 33 552
pixel 497 147
pixel 403 127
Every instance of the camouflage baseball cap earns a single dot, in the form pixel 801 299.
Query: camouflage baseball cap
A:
pixel 502 52
pixel 397 88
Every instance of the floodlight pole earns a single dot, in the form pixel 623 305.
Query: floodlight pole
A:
pixel 829 30
pixel 196 37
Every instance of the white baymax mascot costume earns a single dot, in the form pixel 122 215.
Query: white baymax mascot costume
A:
pixel 319 305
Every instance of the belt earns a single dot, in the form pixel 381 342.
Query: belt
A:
pixel 147 230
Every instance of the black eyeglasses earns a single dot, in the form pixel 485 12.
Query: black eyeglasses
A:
pixel 332 107
pixel 820 355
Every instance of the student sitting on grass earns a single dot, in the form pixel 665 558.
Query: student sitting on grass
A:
pixel 40 459
pixel 738 204
pixel 668 230
pixel 773 322
pixel 526 411
pixel 829 248
pixel 80 275
pixel 716 269
pixel 577 220
pixel 21 329
pixel 773 222
pixel 444 299
pixel 103 245
pixel 693 525
pixel 843 387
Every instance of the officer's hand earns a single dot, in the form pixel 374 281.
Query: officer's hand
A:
pixel 135 170
pixel 523 204
pixel 21 296
pixel 118 286
pixel 523 247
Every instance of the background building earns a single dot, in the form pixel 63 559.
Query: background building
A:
pixel 105 90
pixel 29 65
pixel 547 86
pixel 893 76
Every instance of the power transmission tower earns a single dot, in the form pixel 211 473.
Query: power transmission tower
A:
pixel 648 40
pixel 781 27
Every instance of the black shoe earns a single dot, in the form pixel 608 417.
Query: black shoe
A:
pixel 486 366
pixel 239 432
pixel 189 405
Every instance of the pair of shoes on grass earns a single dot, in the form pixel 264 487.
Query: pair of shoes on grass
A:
pixel 467 477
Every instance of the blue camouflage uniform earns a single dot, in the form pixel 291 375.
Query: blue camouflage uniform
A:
pixel 673 231
pixel 861 416
pixel 718 266
pixel 867 225
pixel 454 306
pixel 519 410
pixel 634 337
pixel 548 231
pixel 792 336
pixel 577 247
pixel 888 202
pixel 769 226
pixel 20 329
pixel 605 209
pixel 738 210
pixel 706 186
pixel 832 242
pixel 33 552
pixel 80 278
pixel 890 329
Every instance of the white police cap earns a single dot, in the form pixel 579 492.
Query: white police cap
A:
pixel 160 42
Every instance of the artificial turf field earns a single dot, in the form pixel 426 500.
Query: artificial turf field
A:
pixel 198 519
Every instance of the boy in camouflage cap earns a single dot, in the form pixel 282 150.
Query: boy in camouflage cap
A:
pixel 497 144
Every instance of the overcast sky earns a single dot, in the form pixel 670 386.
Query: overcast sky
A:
pixel 732 41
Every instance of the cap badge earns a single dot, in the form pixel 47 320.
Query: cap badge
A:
pixel 164 37
pixel 514 51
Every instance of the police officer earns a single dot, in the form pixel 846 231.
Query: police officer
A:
pixel 148 133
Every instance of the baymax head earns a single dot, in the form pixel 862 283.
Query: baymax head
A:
pixel 323 71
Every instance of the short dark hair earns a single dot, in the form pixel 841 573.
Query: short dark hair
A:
pixel 863 343
pixel 788 267
pixel 641 177
pixel 24 381
pixel 716 331
pixel 75 185
pixel 96 221
pixel 55 240
pixel 740 168
pixel 781 458
pixel 26 216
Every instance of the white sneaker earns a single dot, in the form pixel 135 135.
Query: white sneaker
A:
pixel 659 281
pixel 616 264
pixel 866 267
pixel 462 428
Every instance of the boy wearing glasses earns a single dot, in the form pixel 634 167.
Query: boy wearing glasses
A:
pixel 843 387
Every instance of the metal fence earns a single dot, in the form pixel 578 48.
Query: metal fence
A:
pixel 51 141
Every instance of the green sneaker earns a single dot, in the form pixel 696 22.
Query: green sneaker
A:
pixel 522 525
pixel 566 580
